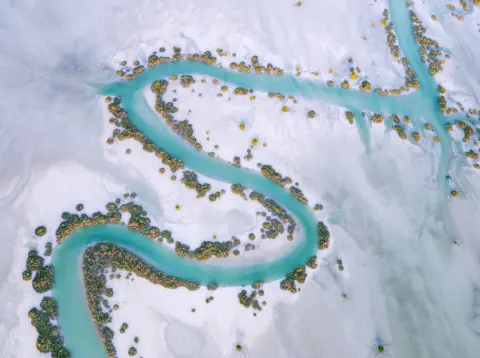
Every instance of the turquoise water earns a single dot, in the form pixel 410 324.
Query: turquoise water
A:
pixel 74 318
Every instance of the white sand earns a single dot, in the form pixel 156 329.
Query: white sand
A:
pixel 460 75
pixel 406 282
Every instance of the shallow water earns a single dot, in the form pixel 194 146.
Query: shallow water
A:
pixel 74 318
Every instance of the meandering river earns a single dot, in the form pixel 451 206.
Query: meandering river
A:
pixel 74 317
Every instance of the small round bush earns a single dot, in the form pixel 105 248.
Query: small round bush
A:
pixel 40 231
